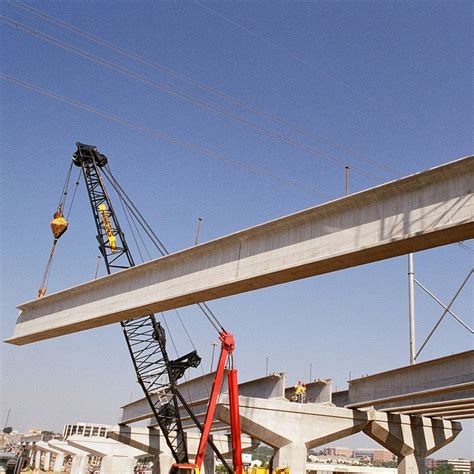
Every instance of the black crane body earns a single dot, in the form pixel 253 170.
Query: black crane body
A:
pixel 156 373
pixel 145 337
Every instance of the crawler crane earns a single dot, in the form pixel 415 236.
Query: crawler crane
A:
pixel 156 373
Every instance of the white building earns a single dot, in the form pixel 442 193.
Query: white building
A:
pixel 85 429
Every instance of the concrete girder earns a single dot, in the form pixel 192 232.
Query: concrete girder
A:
pixel 66 448
pixel 445 410
pixel 422 408
pixel 148 440
pixel 196 392
pixel 434 383
pixel 98 446
pixel 421 211
pixel 453 414
pixel 468 386
pixel 317 391
pixel 459 417
pixel 44 446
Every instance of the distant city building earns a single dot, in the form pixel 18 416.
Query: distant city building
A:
pixel 382 455
pixel 343 452
pixel 85 429
pixel 373 455
pixel 461 466
pixel 366 454
pixel 430 463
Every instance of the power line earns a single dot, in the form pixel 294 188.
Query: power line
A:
pixel 282 49
pixel 163 136
pixel 165 88
pixel 130 54
pixel 466 247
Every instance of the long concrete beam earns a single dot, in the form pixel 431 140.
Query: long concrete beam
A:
pixel 449 378
pixel 421 211
pixel 196 392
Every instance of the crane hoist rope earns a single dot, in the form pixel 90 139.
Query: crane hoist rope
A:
pixel 205 309
pixel 58 225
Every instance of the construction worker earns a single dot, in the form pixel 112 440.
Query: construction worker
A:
pixel 300 392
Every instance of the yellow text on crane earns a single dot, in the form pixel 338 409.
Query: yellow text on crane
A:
pixel 104 214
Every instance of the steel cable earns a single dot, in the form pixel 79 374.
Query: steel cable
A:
pixel 164 69
pixel 161 135
pixel 197 102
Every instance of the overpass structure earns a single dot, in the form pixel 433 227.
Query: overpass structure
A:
pixel 441 388
pixel 379 405
pixel 421 211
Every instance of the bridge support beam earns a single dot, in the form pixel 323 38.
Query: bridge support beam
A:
pixel 418 212
pixel 293 428
pixel 411 438
pixel 151 441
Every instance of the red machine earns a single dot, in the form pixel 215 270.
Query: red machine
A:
pixel 227 348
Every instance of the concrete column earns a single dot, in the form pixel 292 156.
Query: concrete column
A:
pixel 117 464
pixel 411 438
pixel 31 456
pixel 79 464
pixel 59 462
pixel 293 455
pixel 38 459
pixel 209 463
pixel 162 463
pixel 411 464
pixel 47 461
pixel 148 440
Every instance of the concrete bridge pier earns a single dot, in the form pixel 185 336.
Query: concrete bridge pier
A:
pixel 411 438
pixel 293 428
pixel 79 464
pixel 37 461
pixel 58 462
pixel 47 461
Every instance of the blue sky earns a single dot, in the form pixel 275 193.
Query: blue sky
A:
pixel 384 87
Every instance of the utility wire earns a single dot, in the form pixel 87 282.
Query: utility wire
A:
pixel 188 98
pixel 157 133
pixel 466 247
pixel 282 49
pixel 205 87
